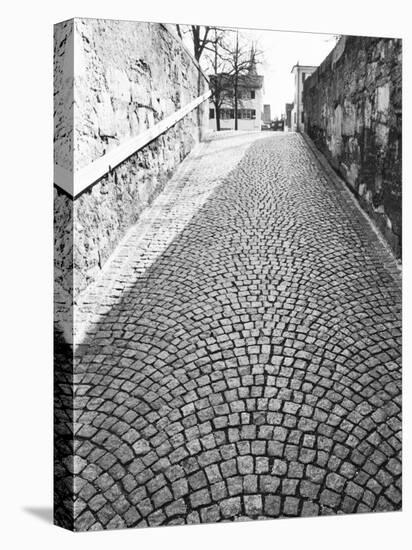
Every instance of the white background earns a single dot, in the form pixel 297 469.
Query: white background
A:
pixel 26 273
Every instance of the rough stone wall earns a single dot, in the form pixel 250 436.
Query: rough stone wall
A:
pixel 128 77
pixel 103 214
pixel 125 78
pixel 353 113
pixel 63 156
pixel 63 274
pixel 63 94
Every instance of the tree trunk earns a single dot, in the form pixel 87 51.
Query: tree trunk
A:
pixel 217 83
pixel 196 41
pixel 236 92
pixel 236 76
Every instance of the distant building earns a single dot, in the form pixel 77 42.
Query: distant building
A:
pixel 266 114
pixel 288 121
pixel 301 72
pixel 250 98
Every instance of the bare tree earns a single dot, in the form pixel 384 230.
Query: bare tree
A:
pixel 208 46
pixel 241 60
pixel 201 37
pixel 230 62
pixel 179 31
pixel 200 41
pixel 219 82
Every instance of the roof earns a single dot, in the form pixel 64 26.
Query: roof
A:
pixel 245 80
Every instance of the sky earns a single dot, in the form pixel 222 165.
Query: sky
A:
pixel 281 50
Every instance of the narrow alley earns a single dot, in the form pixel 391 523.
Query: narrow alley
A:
pixel 248 367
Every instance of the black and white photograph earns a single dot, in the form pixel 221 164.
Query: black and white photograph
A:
pixel 227 274
pixel 208 341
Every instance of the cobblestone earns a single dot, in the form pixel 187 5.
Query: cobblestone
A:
pixel 249 365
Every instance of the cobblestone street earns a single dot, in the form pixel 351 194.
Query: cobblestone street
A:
pixel 245 360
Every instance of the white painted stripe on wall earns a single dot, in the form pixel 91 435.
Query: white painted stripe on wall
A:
pixel 75 183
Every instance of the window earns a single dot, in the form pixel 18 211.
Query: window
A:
pixel 303 77
pixel 249 114
pixel 211 113
pixel 247 94
pixel 302 117
pixel 227 114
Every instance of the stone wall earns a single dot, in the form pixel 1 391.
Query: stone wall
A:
pixel 63 156
pixel 128 76
pixel 63 94
pixel 114 80
pixel 353 113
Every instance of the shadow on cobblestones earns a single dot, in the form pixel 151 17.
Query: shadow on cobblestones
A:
pixel 63 432
pixel 253 370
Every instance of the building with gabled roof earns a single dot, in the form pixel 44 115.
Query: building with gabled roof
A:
pixel 250 101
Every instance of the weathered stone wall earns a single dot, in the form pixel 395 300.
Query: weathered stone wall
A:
pixel 128 77
pixel 125 77
pixel 103 214
pixel 63 94
pixel 353 113
pixel 63 156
